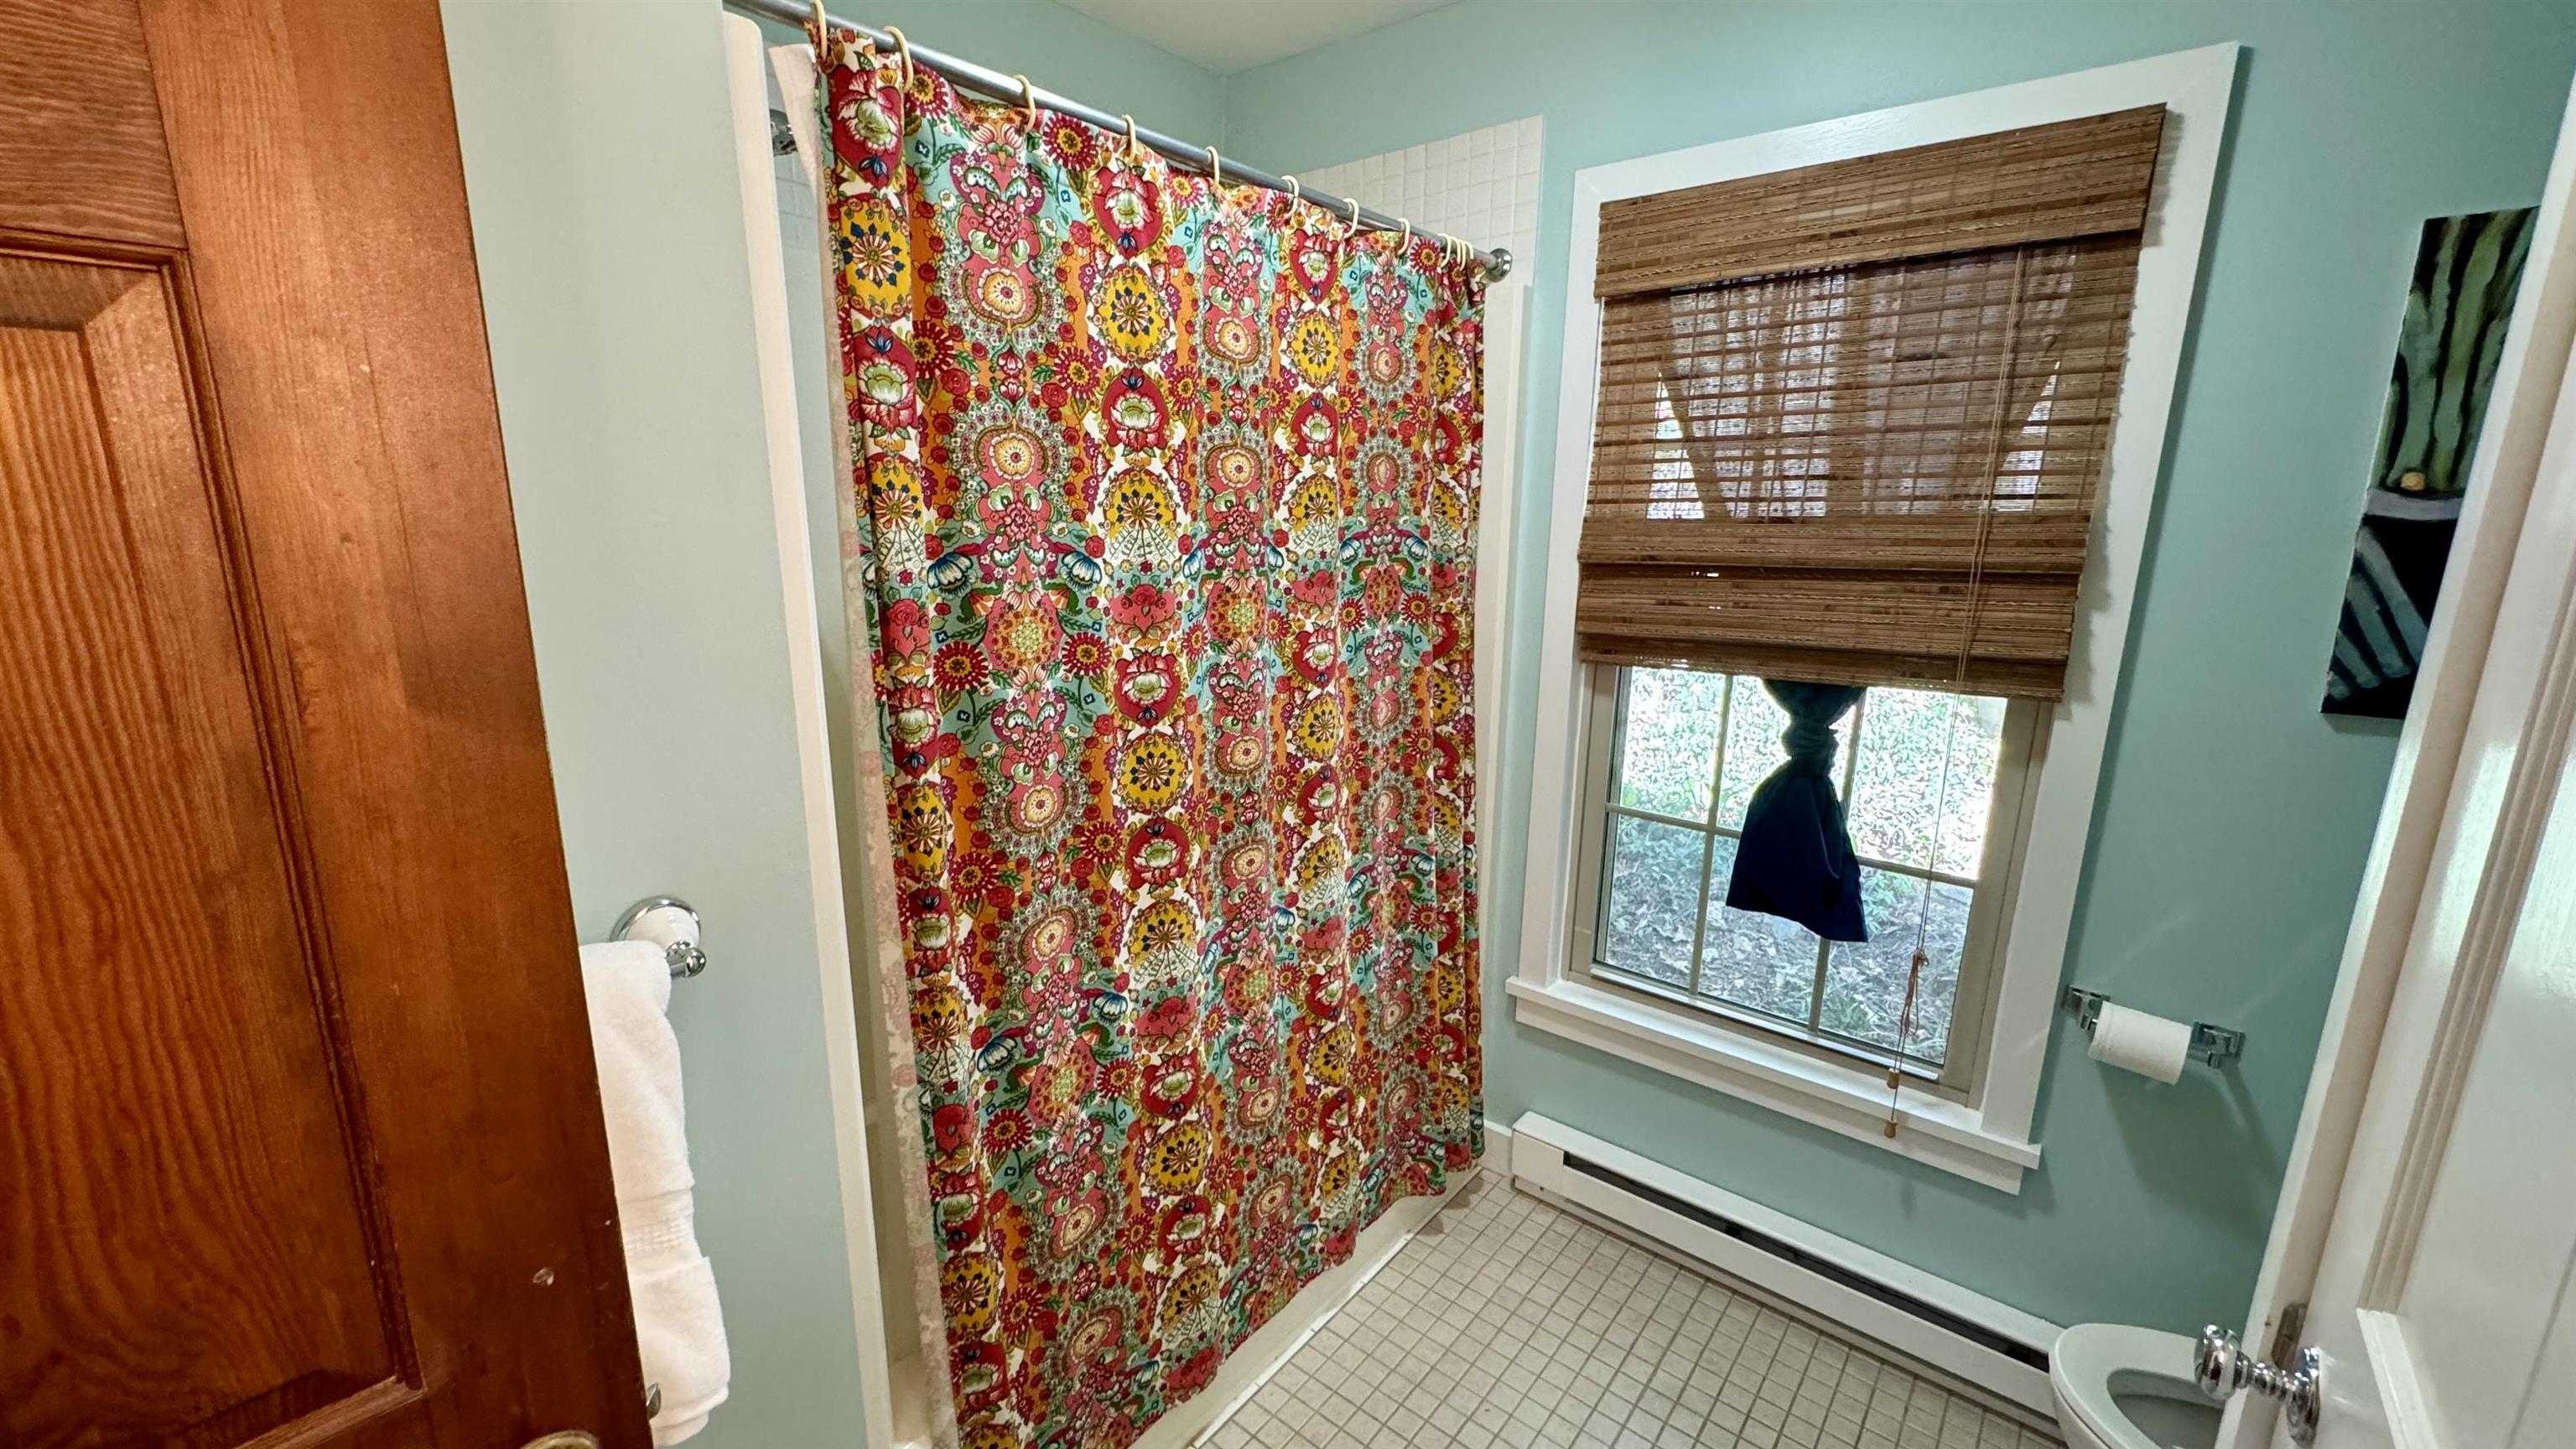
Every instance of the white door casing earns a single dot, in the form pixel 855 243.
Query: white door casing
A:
pixel 747 92
pixel 1506 314
pixel 2428 1220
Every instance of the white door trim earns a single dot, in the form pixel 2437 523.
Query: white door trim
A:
pixel 1498 512
pixel 746 78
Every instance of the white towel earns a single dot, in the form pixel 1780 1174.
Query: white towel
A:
pixel 678 1328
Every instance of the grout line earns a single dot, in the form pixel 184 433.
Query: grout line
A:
pixel 1457 1193
pixel 1509 1321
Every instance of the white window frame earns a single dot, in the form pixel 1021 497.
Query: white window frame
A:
pixel 1986 1138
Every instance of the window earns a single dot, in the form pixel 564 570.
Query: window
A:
pixel 1851 420
pixel 1933 793
pixel 1849 428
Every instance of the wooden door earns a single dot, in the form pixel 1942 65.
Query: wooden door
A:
pixel 2425 1240
pixel 299 1136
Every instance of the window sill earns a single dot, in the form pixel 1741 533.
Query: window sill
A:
pixel 1938 1133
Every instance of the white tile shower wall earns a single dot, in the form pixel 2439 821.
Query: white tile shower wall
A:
pixel 795 200
pixel 1481 187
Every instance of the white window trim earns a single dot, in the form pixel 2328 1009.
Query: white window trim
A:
pixel 1987 1139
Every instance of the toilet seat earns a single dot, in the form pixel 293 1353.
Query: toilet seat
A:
pixel 2092 1361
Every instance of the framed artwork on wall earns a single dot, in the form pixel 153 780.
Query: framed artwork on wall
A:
pixel 2458 303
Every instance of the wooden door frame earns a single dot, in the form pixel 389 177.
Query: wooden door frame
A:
pixel 2498 682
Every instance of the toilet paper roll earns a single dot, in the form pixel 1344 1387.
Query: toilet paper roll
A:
pixel 2135 1041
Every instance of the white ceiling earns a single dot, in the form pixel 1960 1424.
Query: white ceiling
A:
pixel 1231 35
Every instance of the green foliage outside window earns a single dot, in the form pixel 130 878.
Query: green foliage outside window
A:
pixel 1917 775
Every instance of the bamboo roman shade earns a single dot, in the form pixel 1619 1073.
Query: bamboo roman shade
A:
pixel 1852 418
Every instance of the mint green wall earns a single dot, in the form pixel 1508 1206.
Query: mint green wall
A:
pixel 608 229
pixel 607 222
pixel 2233 818
pixel 1067 52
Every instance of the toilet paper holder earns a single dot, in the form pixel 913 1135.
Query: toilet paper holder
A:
pixel 2209 1044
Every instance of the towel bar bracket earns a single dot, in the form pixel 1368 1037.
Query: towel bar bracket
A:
pixel 670 923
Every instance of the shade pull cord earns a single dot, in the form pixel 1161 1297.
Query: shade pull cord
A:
pixel 1904 1028
pixel 1994 463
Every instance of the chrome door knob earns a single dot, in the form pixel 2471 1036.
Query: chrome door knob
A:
pixel 2220 1366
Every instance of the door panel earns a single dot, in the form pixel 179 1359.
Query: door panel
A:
pixel 2486 1270
pixel 302 1135
pixel 2553 1383
pixel 187 1231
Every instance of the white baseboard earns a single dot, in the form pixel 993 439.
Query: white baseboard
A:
pixel 1989 1345
pixel 1498 1152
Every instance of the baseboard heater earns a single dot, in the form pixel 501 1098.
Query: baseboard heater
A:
pixel 1963 1334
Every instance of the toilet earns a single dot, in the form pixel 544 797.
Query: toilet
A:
pixel 2120 1387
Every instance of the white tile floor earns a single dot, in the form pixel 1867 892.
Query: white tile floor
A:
pixel 1510 1322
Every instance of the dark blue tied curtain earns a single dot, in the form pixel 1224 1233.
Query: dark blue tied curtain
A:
pixel 1796 860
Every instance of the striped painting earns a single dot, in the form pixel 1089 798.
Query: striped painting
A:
pixel 2461 296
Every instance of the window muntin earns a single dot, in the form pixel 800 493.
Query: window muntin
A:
pixel 1933 785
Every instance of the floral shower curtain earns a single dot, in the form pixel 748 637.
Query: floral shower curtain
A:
pixel 1161 535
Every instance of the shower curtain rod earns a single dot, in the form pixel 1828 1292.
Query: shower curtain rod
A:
pixel 992 83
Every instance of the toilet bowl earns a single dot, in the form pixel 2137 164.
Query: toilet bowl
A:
pixel 2120 1387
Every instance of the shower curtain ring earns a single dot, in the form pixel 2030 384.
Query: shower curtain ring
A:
pixel 902 49
pixel 1216 170
pixel 1355 216
pixel 1405 245
pixel 1133 153
pixel 1296 192
pixel 1029 99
